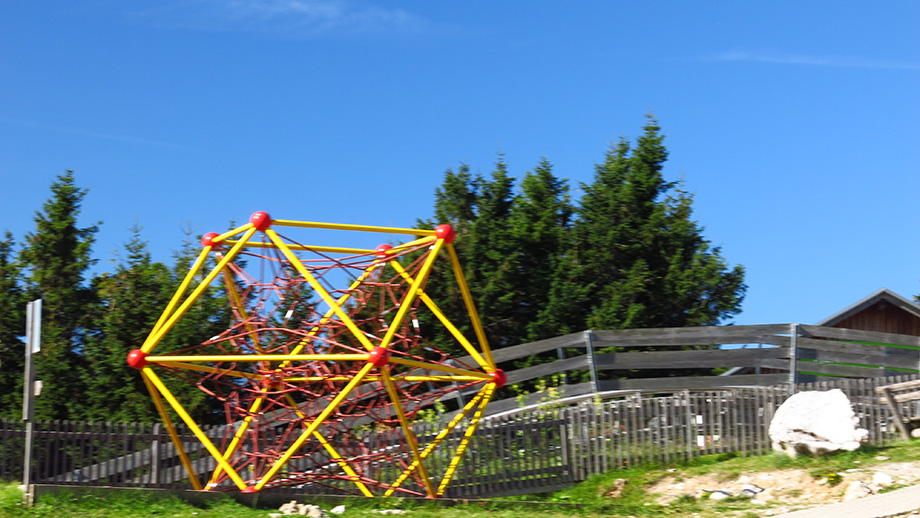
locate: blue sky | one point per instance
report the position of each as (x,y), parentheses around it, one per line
(796,124)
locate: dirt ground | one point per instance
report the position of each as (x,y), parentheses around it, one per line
(782,491)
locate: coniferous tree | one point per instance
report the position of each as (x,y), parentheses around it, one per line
(12,327)
(641,257)
(540,223)
(455,204)
(130,301)
(479,210)
(56,257)
(490,255)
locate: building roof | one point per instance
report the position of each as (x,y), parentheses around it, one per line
(882,295)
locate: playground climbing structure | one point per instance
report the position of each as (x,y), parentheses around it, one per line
(323,370)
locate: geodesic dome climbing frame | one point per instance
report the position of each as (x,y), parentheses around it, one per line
(323,369)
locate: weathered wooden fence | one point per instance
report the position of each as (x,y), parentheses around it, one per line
(756,355)
(531,450)
(578,430)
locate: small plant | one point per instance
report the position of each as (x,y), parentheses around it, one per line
(832,478)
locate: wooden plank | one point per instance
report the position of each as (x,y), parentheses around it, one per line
(524,350)
(687,359)
(859,335)
(830,369)
(547,369)
(837,370)
(899,387)
(704,335)
(873,360)
(898,418)
(692,382)
(504,405)
(856,348)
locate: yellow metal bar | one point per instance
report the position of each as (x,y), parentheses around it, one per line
(358,334)
(211,370)
(308,248)
(407,430)
(470,306)
(237,437)
(332,451)
(314,425)
(362,228)
(183,286)
(333,249)
(395,378)
(436,442)
(154,338)
(173,434)
(467,346)
(242,358)
(344,465)
(414,287)
(205,441)
(221,238)
(331,311)
(442,368)
(489,389)
(411,244)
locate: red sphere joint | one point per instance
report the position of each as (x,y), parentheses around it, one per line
(261,220)
(137,359)
(382,251)
(379,357)
(249,489)
(499,378)
(445,232)
(208,239)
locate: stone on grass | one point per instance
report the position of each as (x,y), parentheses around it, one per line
(814,423)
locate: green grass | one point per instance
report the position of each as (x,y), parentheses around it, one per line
(634,501)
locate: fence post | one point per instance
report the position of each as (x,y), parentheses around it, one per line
(793,356)
(155,455)
(33,345)
(568,476)
(592,365)
(560,355)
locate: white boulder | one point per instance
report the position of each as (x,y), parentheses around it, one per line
(813,423)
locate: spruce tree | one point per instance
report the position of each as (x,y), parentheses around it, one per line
(639,259)
(456,201)
(540,222)
(131,299)
(479,210)
(490,256)
(56,257)
(12,327)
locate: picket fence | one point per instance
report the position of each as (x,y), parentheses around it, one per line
(531,450)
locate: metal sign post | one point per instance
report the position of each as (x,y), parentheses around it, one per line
(33,345)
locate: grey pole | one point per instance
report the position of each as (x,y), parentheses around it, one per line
(793,356)
(33,345)
(592,367)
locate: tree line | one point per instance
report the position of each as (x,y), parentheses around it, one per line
(626,254)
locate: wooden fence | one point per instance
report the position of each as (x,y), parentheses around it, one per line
(580,430)
(756,355)
(531,450)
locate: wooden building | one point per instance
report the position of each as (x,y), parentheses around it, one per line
(883,311)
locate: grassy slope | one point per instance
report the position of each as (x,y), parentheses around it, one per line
(633,502)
